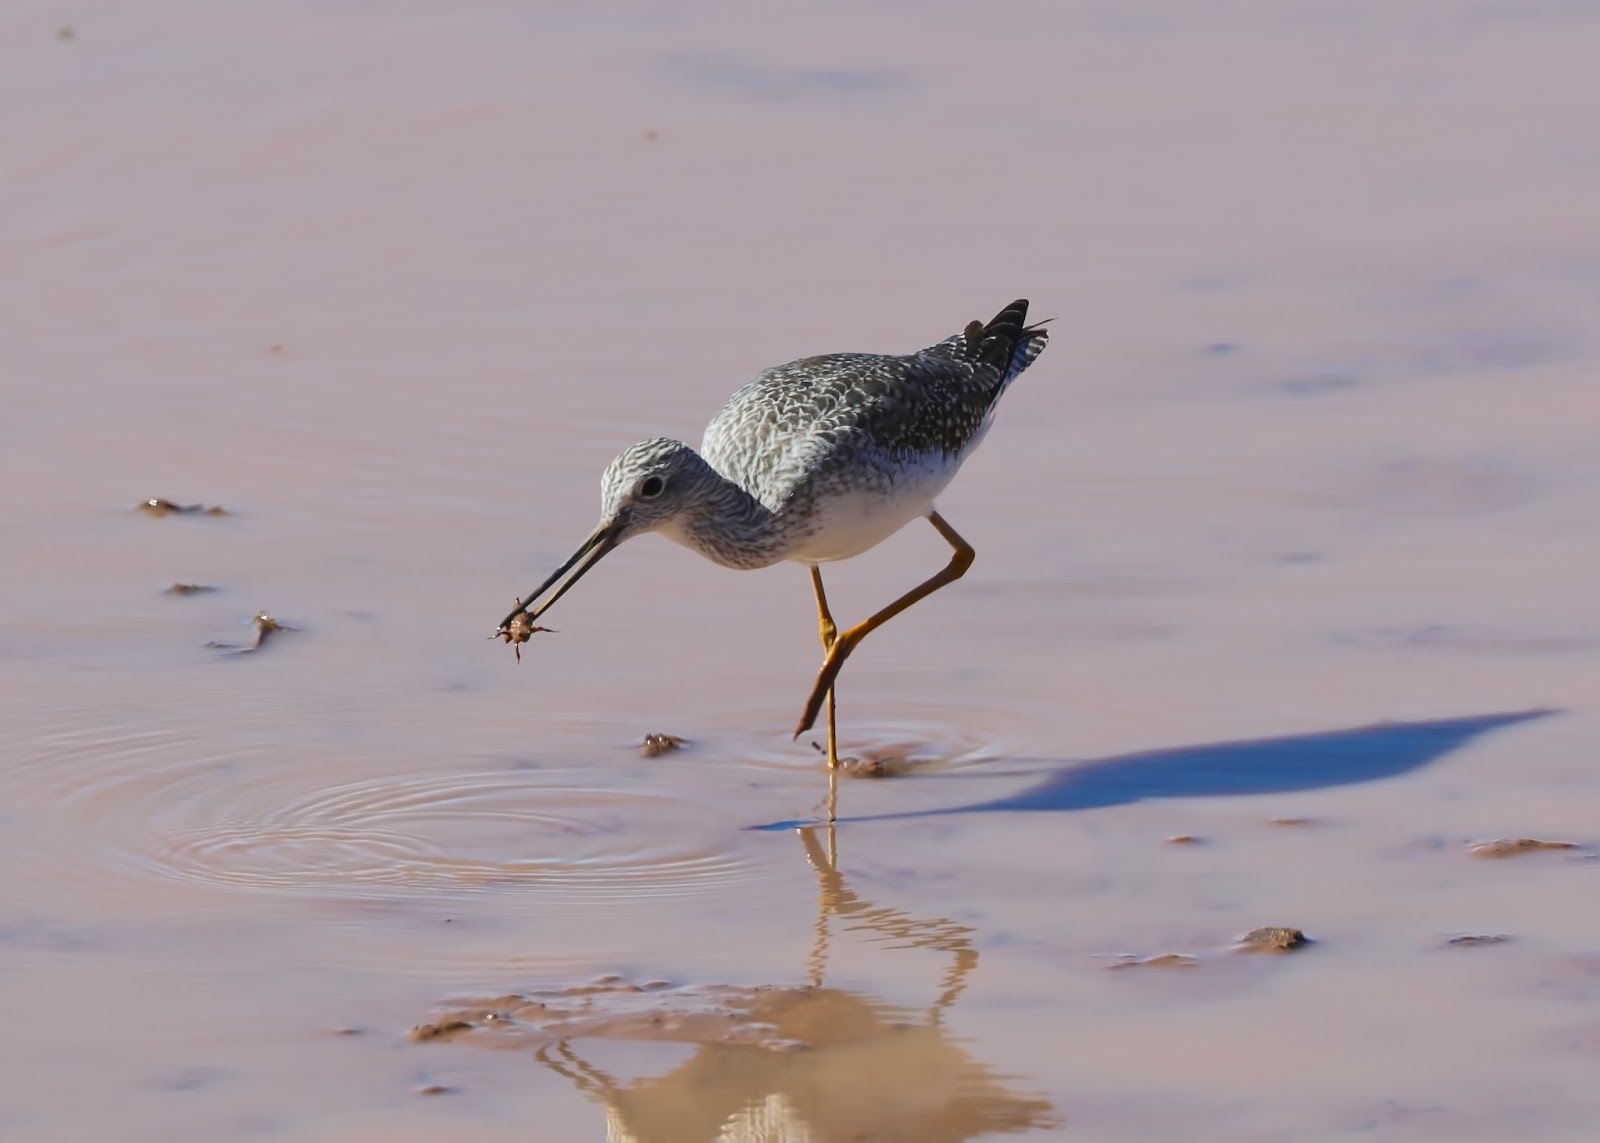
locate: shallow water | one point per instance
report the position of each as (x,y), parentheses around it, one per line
(1294,519)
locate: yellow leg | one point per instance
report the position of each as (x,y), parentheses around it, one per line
(845,643)
(829,633)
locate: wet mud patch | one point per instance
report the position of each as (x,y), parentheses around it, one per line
(445,1027)
(819,1062)
(1517,846)
(1157,960)
(1270,939)
(772,1018)
(650,1010)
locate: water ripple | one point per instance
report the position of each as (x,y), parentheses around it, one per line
(226,804)
(451,833)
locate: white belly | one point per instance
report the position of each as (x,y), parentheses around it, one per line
(849,523)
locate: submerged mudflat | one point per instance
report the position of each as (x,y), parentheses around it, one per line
(1282,618)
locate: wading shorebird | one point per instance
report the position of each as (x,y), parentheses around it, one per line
(815,461)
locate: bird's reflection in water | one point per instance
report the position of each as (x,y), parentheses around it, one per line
(832,1064)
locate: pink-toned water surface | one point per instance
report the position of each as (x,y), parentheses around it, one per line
(1296,517)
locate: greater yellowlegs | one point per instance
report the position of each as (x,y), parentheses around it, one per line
(815,461)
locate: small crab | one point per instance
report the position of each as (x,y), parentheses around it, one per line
(518,630)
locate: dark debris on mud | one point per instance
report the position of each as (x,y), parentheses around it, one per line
(655,745)
(1514,846)
(158,506)
(1272,938)
(264,626)
(1158,960)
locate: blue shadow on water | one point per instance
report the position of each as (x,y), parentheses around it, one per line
(1220,769)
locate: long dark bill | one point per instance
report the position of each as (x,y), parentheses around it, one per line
(589,553)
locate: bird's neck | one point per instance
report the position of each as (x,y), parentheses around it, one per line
(729,526)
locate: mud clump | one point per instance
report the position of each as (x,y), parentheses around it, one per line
(1290,821)
(1272,938)
(189,589)
(1183,839)
(439,1030)
(655,745)
(1472,940)
(1513,846)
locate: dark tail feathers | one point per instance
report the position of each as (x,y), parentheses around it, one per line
(1007,343)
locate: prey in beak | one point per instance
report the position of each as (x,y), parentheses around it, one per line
(518,627)
(649,487)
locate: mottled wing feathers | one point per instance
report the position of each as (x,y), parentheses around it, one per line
(818,416)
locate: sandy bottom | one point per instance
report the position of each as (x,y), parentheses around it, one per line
(1283,616)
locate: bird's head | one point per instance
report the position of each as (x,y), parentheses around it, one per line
(645,489)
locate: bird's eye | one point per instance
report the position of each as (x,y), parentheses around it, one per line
(651,487)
